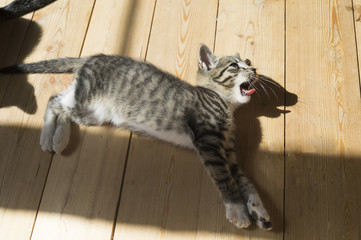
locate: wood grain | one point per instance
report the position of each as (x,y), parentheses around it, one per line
(23,165)
(322,134)
(167,193)
(83,185)
(120,27)
(160,198)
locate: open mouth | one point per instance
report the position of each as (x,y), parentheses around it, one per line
(246,88)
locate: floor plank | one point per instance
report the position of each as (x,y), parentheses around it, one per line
(24,166)
(162,184)
(83,185)
(322,130)
(167,193)
(246,27)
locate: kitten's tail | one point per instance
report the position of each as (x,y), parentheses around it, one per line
(60,65)
(19,8)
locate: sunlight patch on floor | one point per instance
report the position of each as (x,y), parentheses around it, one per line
(65,226)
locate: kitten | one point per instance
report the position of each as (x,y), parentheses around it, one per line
(138,96)
(19,8)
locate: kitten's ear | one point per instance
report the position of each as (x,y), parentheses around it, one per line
(237,55)
(206,59)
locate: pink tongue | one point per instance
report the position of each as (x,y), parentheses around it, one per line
(249,92)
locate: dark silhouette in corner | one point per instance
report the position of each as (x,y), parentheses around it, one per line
(19,8)
(15,45)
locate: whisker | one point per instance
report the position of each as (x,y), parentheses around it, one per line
(271,90)
(269,81)
(274,93)
(254,86)
(264,89)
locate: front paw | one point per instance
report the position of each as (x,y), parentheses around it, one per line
(237,214)
(258,212)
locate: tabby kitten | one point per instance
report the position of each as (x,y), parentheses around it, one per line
(146,100)
(19,8)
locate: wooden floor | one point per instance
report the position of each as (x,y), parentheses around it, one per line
(300,144)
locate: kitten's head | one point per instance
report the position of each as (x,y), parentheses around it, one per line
(229,76)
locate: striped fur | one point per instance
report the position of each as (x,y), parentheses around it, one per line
(144,99)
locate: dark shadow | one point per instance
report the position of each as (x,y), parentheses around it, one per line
(17,39)
(168,198)
(129,20)
(74,140)
(268,101)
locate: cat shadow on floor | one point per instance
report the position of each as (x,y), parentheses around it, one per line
(269,101)
(18,39)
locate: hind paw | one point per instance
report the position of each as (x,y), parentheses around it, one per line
(46,138)
(61,138)
(55,138)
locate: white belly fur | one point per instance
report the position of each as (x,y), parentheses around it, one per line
(104,114)
(169,136)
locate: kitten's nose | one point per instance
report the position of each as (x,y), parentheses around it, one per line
(253,69)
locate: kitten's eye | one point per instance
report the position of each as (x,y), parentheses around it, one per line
(235,65)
